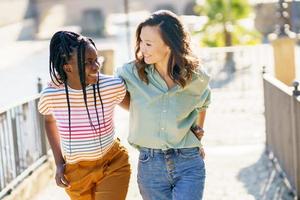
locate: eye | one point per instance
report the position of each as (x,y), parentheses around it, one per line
(88,62)
(148,45)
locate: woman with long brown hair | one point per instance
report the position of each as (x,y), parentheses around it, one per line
(168,93)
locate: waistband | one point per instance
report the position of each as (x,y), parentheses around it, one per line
(116,145)
(168,151)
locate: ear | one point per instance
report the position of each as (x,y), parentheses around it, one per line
(67,68)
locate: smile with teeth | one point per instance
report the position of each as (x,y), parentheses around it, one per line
(94,75)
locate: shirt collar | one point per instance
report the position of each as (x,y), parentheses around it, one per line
(150,69)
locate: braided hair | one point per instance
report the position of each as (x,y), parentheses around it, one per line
(62,45)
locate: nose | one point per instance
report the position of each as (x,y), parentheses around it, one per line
(95,66)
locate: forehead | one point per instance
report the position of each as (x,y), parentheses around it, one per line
(151,33)
(90,50)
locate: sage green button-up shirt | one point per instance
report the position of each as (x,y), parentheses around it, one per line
(161,118)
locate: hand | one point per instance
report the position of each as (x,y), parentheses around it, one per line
(198,132)
(202,152)
(60,178)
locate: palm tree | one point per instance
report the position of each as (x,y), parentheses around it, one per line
(223,17)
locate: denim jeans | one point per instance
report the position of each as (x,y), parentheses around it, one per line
(173,174)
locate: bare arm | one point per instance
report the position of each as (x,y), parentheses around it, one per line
(126,101)
(54,141)
(53,138)
(201,118)
(198,130)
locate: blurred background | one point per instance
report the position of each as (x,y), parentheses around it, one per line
(249,47)
(27,25)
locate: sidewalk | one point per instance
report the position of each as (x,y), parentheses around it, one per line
(237,168)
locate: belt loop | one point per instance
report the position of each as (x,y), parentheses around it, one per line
(152,153)
(177,151)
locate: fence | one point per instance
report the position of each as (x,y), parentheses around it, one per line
(22,146)
(282,112)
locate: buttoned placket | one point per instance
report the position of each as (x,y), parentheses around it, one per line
(163,115)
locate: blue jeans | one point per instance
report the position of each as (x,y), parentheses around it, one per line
(173,174)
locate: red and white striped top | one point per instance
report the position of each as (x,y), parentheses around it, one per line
(85,142)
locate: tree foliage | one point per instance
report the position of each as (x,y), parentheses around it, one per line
(223,27)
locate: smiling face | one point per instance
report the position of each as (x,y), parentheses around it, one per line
(91,65)
(152,47)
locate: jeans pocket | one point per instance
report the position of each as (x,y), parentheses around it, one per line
(189,153)
(144,157)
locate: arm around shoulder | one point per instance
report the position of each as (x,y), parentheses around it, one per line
(53,138)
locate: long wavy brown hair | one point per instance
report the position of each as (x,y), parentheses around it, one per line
(182,63)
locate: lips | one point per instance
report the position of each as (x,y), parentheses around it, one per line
(93,78)
(94,75)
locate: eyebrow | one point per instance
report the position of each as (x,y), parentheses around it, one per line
(146,40)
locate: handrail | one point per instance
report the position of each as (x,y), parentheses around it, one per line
(27,172)
(17,103)
(280,85)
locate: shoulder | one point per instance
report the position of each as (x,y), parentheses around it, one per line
(52,89)
(200,74)
(129,66)
(126,70)
(50,94)
(106,80)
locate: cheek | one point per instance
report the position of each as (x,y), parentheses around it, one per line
(87,72)
(159,54)
(154,52)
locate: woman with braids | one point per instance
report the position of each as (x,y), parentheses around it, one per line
(78,106)
(169,94)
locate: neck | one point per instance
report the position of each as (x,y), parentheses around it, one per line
(162,70)
(162,67)
(74,84)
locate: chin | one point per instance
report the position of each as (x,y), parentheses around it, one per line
(94,81)
(149,62)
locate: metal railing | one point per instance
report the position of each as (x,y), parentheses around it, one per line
(23,147)
(282,113)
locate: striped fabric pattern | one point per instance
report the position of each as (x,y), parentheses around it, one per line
(87,141)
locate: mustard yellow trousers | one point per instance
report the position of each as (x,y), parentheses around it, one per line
(103,179)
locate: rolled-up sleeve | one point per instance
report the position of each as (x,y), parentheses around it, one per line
(206,99)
